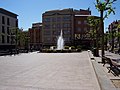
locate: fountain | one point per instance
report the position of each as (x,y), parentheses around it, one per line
(60,42)
(60,47)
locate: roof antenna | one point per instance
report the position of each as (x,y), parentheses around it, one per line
(88,8)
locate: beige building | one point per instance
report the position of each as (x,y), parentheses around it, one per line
(8,23)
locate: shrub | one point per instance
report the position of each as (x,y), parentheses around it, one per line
(54,51)
(49,51)
(79,47)
(66,47)
(62,51)
(72,47)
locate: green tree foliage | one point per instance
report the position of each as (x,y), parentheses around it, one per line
(94,24)
(15,32)
(106,7)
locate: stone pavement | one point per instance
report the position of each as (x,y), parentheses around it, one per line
(111,55)
(105,78)
(48,71)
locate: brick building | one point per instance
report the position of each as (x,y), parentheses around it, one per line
(53,22)
(114,39)
(81,30)
(35,34)
(72,22)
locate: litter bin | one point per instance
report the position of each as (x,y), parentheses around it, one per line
(94,51)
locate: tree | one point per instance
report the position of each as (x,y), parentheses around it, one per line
(104,7)
(94,24)
(26,40)
(114,35)
(15,36)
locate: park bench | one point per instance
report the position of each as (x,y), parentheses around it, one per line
(114,65)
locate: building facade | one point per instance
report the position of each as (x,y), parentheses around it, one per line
(85,34)
(114,36)
(73,23)
(35,34)
(8,22)
(55,21)
(81,30)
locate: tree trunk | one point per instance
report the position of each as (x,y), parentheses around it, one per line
(102,34)
(97,48)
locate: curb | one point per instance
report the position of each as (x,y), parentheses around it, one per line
(104,82)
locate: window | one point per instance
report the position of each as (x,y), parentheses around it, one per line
(85,21)
(66,25)
(55,33)
(79,29)
(79,22)
(47,33)
(53,19)
(47,26)
(47,39)
(8,31)
(8,21)
(3,29)
(54,26)
(3,39)
(58,19)
(3,20)
(54,39)
(85,29)
(8,40)
(16,23)
(66,32)
(58,25)
(46,19)
(67,39)
(66,18)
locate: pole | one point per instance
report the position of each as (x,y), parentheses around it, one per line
(102,33)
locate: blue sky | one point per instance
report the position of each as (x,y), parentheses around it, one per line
(30,11)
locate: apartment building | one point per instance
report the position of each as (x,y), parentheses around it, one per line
(81,30)
(56,20)
(35,34)
(8,22)
(114,38)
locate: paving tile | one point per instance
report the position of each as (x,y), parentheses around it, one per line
(48,71)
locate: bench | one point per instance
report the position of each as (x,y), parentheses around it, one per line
(114,65)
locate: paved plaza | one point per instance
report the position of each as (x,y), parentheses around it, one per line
(47,71)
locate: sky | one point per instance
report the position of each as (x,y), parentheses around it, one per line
(30,11)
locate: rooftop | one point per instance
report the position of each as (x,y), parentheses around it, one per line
(6,12)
